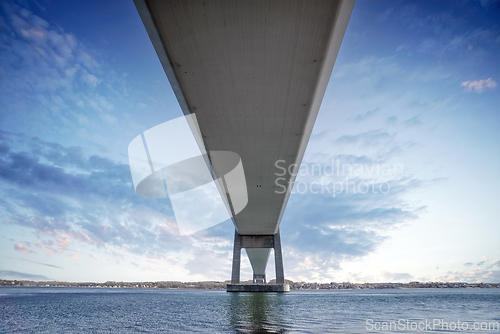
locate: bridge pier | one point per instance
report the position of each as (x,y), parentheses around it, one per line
(259,278)
(278,259)
(235,275)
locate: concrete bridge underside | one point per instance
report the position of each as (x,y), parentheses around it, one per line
(254,73)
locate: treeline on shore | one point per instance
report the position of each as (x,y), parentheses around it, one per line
(217,285)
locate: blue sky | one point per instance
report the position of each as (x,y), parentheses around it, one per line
(414,85)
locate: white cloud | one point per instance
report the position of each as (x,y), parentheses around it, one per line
(90,79)
(479,85)
(109,119)
(476,276)
(52,72)
(486,3)
(22,249)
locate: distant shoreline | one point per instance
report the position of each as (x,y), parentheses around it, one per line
(217,285)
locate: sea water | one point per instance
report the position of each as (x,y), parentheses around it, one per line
(103,310)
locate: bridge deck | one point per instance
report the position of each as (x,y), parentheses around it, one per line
(254,73)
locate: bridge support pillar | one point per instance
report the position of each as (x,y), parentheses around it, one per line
(235,275)
(278,259)
(259,279)
(257,241)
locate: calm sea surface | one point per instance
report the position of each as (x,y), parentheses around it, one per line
(98,310)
